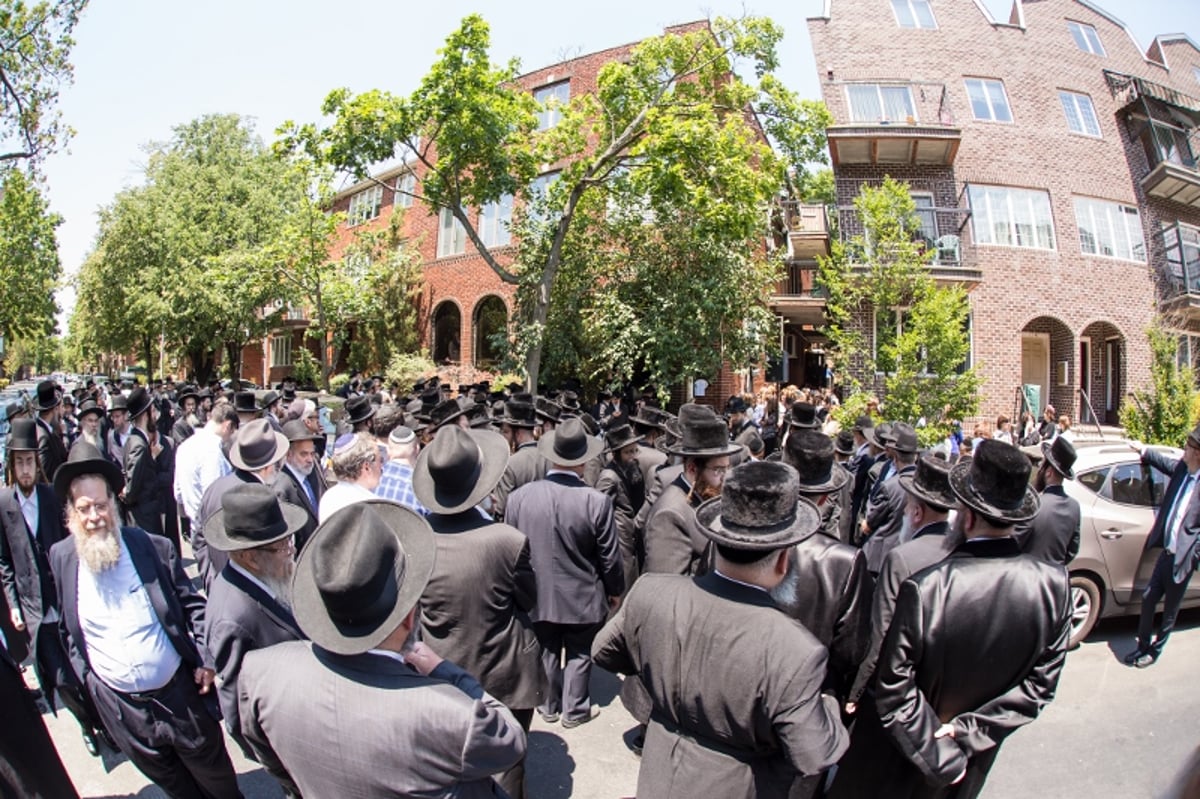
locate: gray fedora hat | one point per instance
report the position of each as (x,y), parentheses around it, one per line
(459,468)
(360,574)
(703,434)
(903,438)
(251,515)
(810,453)
(930,483)
(759,509)
(297,430)
(569,444)
(257,445)
(995,482)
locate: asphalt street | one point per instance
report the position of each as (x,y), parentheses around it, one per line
(1112,731)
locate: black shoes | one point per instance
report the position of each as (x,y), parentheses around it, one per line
(1132,657)
(570,724)
(1145,659)
(550,718)
(90,744)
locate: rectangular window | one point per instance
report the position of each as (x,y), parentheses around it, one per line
(537,195)
(1081,116)
(873,102)
(1167,143)
(1109,229)
(1011,217)
(1182,249)
(1196,73)
(914,14)
(1086,38)
(281,350)
(452,236)
(988,100)
(406,186)
(928,217)
(365,205)
(494,219)
(552,99)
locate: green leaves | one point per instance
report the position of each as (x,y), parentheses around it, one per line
(29,264)
(1165,412)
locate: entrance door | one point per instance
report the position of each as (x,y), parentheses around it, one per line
(1112,379)
(1085,380)
(1035,365)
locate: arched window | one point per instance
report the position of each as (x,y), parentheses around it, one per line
(447,327)
(489,324)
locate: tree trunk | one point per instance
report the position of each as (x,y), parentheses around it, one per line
(148,354)
(233,357)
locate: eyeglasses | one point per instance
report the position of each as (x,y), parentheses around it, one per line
(286,546)
(98,508)
(717,470)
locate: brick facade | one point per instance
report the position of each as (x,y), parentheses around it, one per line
(1074,300)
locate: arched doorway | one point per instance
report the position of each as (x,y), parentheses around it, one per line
(488,325)
(1102,371)
(1048,375)
(447,330)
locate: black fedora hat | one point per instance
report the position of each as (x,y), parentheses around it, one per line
(85,459)
(477,414)
(446,412)
(879,435)
(289,393)
(930,483)
(22,436)
(995,482)
(863,423)
(251,515)
(810,453)
(903,438)
(459,468)
(759,509)
(703,434)
(360,574)
(547,409)
(47,395)
(1060,454)
(257,445)
(139,402)
(620,437)
(649,416)
(803,416)
(185,392)
(519,413)
(246,402)
(297,430)
(270,398)
(569,402)
(15,409)
(569,444)
(359,409)
(844,443)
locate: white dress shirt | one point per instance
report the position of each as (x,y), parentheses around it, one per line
(1179,510)
(340,495)
(127,647)
(29,509)
(199,462)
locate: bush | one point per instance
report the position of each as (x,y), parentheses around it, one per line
(407,368)
(1167,411)
(306,370)
(337,381)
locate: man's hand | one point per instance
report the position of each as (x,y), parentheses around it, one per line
(946,730)
(18,622)
(614,602)
(422,658)
(1137,446)
(204,678)
(851,708)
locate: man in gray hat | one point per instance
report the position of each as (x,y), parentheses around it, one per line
(974,650)
(743,720)
(573,543)
(885,510)
(1053,534)
(366,708)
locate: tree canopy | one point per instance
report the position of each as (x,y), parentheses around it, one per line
(29,263)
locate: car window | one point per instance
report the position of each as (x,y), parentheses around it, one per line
(1093,480)
(1158,485)
(1130,485)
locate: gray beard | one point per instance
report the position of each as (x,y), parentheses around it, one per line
(98,553)
(787,593)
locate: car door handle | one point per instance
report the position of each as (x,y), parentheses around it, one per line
(1111,534)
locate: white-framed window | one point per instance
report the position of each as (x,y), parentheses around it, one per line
(406,186)
(358,264)
(989,102)
(1085,36)
(365,205)
(1111,230)
(889,325)
(1181,244)
(875,102)
(1167,143)
(452,236)
(537,194)
(914,14)
(281,350)
(552,99)
(1081,115)
(494,219)
(1011,217)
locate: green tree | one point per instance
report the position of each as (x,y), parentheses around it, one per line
(29,263)
(921,341)
(677,111)
(1162,413)
(35,48)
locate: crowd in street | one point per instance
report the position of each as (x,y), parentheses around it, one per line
(796,610)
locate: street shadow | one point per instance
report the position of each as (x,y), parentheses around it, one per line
(549,767)
(257,784)
(1119,633)
(630,736)
(603,687)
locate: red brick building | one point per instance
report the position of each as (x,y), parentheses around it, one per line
(1054,167)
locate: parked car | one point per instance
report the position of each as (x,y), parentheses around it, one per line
(1118,499)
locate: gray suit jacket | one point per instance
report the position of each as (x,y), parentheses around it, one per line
(1187,548)
(1053,535)
(367,726)
(25,572)
(674,542)
(742,725)
(885,517)
(525,466)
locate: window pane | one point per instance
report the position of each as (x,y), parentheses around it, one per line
(1068,106)
(1093,480)
(1000,111)
(1087,112)
(1129,485)
(924,14)
(1045,221)
(864,103)
(1093,39)
(1077,34)
(904,15)
(978,98)
(897,103)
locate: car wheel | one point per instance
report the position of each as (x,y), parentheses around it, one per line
(1085,608)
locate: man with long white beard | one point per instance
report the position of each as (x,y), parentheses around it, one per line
(134,627)
(249,605)
(90,414)
(295,483)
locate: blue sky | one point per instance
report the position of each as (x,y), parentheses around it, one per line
(143,66)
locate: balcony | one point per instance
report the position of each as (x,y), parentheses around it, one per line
(895,124)
(1177,182)
(1181,275)
(798,297)
(951,260)
(1167,123)
(807,230)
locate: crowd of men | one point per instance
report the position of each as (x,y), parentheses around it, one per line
(381,612)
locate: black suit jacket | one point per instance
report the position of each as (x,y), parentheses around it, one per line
(1053,535)
(51,451)
(1187,547)
(140,496)
(287,488)
(179,607)
(24,571)
(211,561)
(240,618)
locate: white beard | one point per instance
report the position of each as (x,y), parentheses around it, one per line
(98,551)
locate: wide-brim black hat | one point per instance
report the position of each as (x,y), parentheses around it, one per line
(703,434)
(359,409)
(649,416)
(251,515)
(85,459)
(879,435)
(360,574)
(519,414)
(459,468)
(447,411)
(547,409)
(810,453)
(569,444)
(843,443)
(930,483)
(759,509)
(189,391)
(803,416)
(22,436)
(246,402)
(620,437)
(995,482)
(1060,454)
(47,395)
(139,402)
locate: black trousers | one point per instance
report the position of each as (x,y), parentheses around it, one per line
(567,692)
(1162,586)
(171,737)
(55,674)
(29,764)
(513,780)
